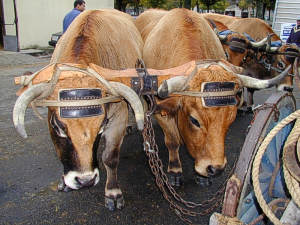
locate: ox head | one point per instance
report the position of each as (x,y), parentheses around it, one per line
(75,130)
(237,46)
(203,123)
(271,59)
(286,55)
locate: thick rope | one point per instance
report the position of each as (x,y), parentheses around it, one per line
(291,183)
(256,165)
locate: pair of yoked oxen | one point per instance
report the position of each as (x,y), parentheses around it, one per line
(88,91)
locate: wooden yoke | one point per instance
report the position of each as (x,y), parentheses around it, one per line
(123,76)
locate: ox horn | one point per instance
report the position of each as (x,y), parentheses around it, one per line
(222,37)
(259,43)
(133,100)
(22,103)
(171,85)
(251,82)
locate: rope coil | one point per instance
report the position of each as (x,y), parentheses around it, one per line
(292,184)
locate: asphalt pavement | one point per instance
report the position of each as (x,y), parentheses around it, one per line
(30,170)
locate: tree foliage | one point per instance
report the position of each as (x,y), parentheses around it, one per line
(244,4)
(220,6)
(209,3)
(187,4)
(163,4)
(121,4)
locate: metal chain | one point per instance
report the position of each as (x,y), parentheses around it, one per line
(161,178)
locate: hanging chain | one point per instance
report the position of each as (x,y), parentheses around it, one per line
(161,179)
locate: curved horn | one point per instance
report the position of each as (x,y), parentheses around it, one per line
(22,103)
(251,82)
(171,85)
(133,100)
(222,36)
(259,43)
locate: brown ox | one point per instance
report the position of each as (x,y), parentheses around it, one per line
(258,30)
(147,20)
(236,45)
(107,38)
(179,37)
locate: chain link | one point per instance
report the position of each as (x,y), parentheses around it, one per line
(161,179)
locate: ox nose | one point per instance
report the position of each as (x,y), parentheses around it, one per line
(86,181)
(288,89)
(213,171)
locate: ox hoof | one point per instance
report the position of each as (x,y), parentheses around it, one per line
(112,203)
(203,181)
(61,186)
(175,179)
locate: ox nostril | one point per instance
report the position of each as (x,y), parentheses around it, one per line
(212,171)
(84,182)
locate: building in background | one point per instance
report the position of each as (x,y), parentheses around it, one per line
(25,23)
(285,14)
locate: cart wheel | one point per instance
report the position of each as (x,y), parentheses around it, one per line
(240,201)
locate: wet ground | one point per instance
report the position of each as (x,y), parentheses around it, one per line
(29,169)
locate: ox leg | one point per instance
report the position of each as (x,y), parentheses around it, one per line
(114,134)
(172,142)
(247,105)
(250,101)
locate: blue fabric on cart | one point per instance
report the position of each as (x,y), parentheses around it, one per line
(250,208)
(276,43)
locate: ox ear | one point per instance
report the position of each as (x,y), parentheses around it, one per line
(169,106)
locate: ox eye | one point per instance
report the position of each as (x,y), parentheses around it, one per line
(227,55)
(194,121)
(57,126)
(281,65)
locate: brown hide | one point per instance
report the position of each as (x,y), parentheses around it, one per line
(282,61)
(179,37)
(204,143)
(224,19)
(147,20)
(234,57)
(256,28)
(83,41)
(107,38)
(122,76)
(81,131)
